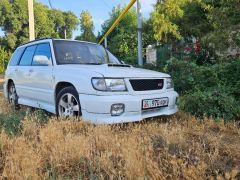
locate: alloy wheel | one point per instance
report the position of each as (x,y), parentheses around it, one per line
(68,106)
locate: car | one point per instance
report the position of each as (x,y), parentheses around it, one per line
(75,78)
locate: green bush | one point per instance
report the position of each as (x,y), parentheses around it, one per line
(229,76)
(188,76)
(211,90)
(4,58)
(182,73)
(11,123)
(211,103)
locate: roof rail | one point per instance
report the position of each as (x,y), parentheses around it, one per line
(37,40)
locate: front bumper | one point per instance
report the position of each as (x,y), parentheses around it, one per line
(96,109)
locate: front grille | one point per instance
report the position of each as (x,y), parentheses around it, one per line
(146,84)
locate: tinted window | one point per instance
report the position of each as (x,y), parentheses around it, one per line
(27,56)
(42,56)
(73,52)
(16,56)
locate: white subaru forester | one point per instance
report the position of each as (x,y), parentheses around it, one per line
(73,78)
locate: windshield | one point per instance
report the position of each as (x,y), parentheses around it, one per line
(74,52)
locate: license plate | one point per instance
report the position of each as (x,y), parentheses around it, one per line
(154,103)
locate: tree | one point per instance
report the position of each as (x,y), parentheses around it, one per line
(164,13)
(4,58)
(214,22)
(225,19)
(195,21)
(14,22)
(70,23)
(122,41)
(87,27)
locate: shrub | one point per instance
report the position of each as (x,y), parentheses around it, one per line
(182,73)
(214,103)
(11,123)
(207,90)
(4,58)
(229,75)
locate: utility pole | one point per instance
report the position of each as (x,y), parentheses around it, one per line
(31,20)
(65,33)
(139,28)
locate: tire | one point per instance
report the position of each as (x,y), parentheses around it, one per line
(12,95)
(67,103)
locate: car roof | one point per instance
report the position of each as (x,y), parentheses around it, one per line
(49,38)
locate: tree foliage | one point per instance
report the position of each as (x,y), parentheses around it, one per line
(163,15)
(4,58)
(123,39)
(48,22)
(214,22)
(224,16)
(87,27)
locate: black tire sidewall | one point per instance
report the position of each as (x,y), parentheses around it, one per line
(16,100)
(72,91)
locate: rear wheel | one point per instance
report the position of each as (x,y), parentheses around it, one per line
(12,95)
(68,104)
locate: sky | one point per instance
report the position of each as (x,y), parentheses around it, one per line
(99,9)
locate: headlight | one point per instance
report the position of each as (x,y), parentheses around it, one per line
(169,83)
(107,84)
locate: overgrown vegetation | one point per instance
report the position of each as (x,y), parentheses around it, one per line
(4,58)
(161,148)
(210,90)
(34,145)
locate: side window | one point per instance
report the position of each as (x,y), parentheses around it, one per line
(42,56)
(27,56)
(16,56)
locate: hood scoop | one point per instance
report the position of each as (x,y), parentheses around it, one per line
(118,65)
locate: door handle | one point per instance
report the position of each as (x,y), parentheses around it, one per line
(16,70)
(30,72)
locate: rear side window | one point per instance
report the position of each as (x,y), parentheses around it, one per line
(42,56)
(16,56)
(27,56)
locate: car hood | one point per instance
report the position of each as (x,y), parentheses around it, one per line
(117,72)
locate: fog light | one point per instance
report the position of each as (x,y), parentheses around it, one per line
(117,109)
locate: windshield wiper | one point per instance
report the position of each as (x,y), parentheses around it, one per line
(118,65)
(92,63)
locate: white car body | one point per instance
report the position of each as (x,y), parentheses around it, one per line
(36,87)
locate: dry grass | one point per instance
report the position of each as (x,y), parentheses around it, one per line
(1,78)
(180,147)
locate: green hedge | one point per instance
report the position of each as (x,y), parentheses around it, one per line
(214,103)
(212,90)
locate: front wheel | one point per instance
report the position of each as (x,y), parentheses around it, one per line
(68,104)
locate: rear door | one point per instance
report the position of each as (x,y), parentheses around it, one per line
(40,75)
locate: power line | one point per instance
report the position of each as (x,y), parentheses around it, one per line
(50,4)
(106,4)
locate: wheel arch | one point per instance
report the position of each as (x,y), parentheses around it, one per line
(59,86)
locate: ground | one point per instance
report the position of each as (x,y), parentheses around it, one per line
(34,145)
(1,82)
